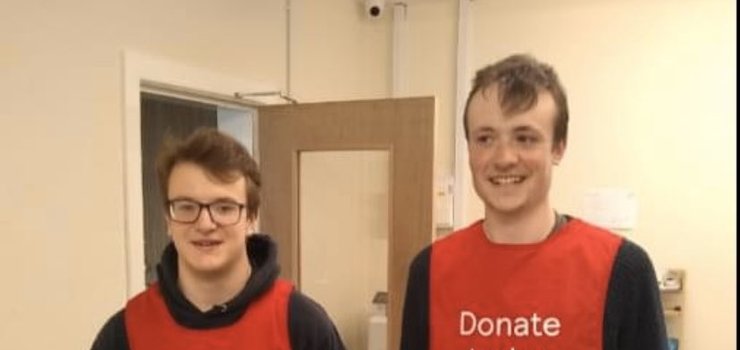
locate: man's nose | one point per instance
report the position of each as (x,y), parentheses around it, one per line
(205,220)
(504,154)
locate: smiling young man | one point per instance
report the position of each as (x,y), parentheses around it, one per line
(527,277)
(217,282)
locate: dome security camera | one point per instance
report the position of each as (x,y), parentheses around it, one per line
(374,8)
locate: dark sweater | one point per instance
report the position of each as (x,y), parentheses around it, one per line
(633,319)
(309,326)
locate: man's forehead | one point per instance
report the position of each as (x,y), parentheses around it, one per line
(186,173)
(487,115)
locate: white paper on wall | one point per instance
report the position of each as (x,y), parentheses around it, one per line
(612,208)
(443,202)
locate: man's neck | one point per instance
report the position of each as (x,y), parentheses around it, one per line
(208,290)
(525,227)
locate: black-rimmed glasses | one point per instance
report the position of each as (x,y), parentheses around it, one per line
(223,213)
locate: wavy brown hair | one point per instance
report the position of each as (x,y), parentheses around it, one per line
(219,154)
(520,78)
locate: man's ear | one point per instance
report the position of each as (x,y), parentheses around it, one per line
(167,224)
(251,225)
(558,151)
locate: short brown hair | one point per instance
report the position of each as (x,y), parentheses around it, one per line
(219,154)
(520,78)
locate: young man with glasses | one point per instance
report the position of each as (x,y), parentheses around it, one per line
(217,283)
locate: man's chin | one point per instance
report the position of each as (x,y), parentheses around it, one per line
(206,266)
(507,207)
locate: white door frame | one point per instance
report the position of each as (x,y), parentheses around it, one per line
(139,69)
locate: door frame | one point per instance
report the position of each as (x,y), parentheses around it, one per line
(143,72)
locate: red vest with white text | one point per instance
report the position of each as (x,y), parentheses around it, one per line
(544,296)
(264,325)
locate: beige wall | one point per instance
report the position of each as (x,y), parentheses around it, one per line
(338,53)
(432,40)
(61,130)
(651,87)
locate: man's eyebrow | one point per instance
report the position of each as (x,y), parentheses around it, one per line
(224,199)
(483,129)
(181,198)
(215,200)
(526,128)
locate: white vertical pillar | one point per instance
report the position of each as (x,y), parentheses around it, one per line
(462,176)
(400,50)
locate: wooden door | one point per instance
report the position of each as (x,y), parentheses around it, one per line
(402,127)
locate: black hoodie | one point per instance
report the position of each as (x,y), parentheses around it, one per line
(309,327)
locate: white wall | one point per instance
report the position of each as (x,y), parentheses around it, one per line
(651,87)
